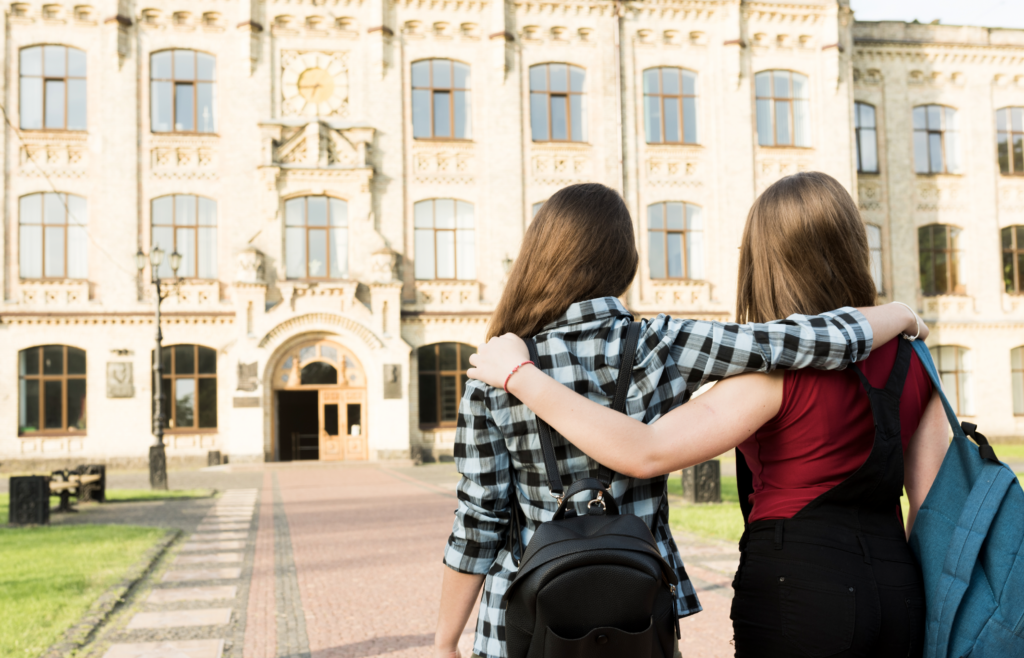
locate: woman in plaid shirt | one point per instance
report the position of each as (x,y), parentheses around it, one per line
(577,258)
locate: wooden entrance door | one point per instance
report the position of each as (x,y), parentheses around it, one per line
(343,425)
(356,447)
(332,447)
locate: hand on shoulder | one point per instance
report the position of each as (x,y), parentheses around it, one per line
(497,358)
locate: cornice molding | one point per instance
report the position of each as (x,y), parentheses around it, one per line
(312,321)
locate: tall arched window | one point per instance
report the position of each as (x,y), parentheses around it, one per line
(939,254)
(1010,139)
(670,105)
(52,88)
(936,140)
(445,240)
(189,387)
(52,238)
(1012,238)
(867,138)
(955,366)
(676,240)
(316,238)
(182,91)
(558,103)
(1017,376)
(187,224)
(51,390)
(440,99)
(783,109)
(875,249)
(442,379)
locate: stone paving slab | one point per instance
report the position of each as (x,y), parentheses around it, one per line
(217,536)
(183,575)
(175,649)
(178,594)
(179,618)
(212,546)
(222,527)
(202,558)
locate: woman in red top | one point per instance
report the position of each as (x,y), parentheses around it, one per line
(825,569)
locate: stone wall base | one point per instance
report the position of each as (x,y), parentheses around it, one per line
(46,465)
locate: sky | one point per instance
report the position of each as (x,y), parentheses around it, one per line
(987,13)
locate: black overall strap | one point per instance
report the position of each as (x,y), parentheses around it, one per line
(898,374)
(625,378)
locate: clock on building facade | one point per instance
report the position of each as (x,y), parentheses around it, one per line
(314,83)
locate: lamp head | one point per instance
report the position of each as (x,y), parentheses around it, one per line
(156,256)
(175,261)
(140,260)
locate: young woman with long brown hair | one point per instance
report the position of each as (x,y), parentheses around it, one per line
(578,256)
(825,569)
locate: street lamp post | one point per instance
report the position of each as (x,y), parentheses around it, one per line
(157,455)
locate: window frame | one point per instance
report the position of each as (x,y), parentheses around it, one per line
(952,252)
(1017,379)
(772,99)
(665,231)
(42,241)
(682,96)
(45,78)
(1011,134)
(451,92)
(328,227)
(174,93)
(928,131)
(170,373)
(568,94)
(1015,252)
(857,136)
(880,283)
(174,226)
(63,378)
(438,373)
(454,230)
(963,377)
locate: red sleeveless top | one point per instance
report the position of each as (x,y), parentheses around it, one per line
(824,431)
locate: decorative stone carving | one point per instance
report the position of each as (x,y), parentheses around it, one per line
(870,196)
(247,376)
(120,383)
(38,292)
(314,83)
(939,196)
(673,171)
(392,381)
(560,166)
(439,163)
(382,266)
(690,294)
(250,267)
(54,155)
(316,144)
(448,295)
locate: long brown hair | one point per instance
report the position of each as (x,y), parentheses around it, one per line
(579,246)
(804,250)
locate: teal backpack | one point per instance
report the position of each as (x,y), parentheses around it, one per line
(968,538)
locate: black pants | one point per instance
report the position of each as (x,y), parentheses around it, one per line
(801,599)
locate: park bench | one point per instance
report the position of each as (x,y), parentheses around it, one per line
(87,482)
(30,495)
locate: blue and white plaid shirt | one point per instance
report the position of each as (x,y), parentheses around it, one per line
(582,350)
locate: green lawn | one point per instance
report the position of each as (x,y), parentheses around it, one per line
(1009,452)
(720,521)
(134,495)
(49,576)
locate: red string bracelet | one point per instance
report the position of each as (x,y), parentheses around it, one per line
(514,371)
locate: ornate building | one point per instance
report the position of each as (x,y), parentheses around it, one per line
(346,183)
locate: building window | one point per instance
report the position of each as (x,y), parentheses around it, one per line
(867,138)
(939,251)
(783,109)
(676,241)
(1017,374)
(954,365)
(558,103)
(51,390)
(442,371)
(936,140)
(445,240)
(440,99)
(316,238)
(52,91)
(670,105)
(182,91)
(1013,258)
(189,387)
(187,224)
(875,248)
(1010,139)
(536,208)
(52,239)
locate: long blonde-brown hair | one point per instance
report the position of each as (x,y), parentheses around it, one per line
(804,250)
(579,246)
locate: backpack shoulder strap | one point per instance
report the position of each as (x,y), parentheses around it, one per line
(550,462)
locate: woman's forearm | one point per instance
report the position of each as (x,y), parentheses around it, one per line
(890,320)
(458,596)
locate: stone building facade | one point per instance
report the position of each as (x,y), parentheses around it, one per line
(348,181)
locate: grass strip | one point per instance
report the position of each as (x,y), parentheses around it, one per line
(136,495)
(51,576)
(716,520)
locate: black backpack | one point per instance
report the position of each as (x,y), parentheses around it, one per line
(592,586)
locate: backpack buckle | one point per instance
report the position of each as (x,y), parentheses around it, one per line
(557,497)
(599,501)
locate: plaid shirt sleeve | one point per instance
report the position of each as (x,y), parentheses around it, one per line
(691,353)
(482,457)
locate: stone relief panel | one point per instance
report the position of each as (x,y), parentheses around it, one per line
(770,167)
(447,295)
(317,144)
(120,381)
(690,294)
(1011,197)
(53,156)
(190,294)
(441,163)
(948,306)
(54,293)
(938,195)
(314,83)
(561,166)
(176,157)
(663,170)
(870,196)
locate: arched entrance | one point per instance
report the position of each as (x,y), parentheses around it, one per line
(321,403)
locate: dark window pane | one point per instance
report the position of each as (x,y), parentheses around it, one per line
(53,405)
(449,359)
(331,419)
(53,360)
(76,361)
(208,402)
(76,404)
(28,361)
(165,391)
(165,359)
(354,413)
(1020,271)
(941,273)
(1008,258)
(55,104)
(428,399)
(28,406)
(207,361)
(442,114)
(559,119)
(539,117)
(465,351)
(421,113)
(184,402)
(184,359)
(183,107)
(1003,149)
(427,359)
(1006,236)
(1020,237)
(319,372)
(449,399)
(1018,153)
